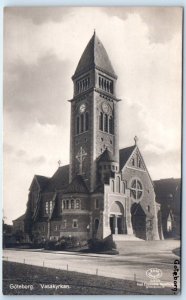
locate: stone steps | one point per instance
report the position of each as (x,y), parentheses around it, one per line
(125,237)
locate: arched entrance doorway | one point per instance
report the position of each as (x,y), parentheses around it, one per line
(117,219)
(138,219)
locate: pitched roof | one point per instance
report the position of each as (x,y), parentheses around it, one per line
(59,180)
(21,218)
(42,180)
(124,155)
(77,186)
(94,55)
(106,156)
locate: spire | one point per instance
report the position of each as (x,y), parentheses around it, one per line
(93,56)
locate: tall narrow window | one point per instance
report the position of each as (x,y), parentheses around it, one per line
(113,184)
(111,125)
(106,123)
(118,184)
(82,122)
(46,207)
(72,204)
(67,204)
(101,121)
(77,204)
(50,206)
(77,125)
(96,203)
(86,121)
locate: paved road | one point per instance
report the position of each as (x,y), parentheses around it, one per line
(136,258)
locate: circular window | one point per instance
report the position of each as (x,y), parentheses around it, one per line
(136,189)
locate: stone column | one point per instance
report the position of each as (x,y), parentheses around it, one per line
(116,224)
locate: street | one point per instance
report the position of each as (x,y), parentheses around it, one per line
(134,260)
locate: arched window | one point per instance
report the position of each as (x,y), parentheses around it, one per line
(102,83)
(96,224)
(139,162)
(77,125)
(101,121)
(82,122)
(96,203)
(106,123)
(72,204)
(133,162)
(118,184)
(99,81)
(113,183)
(77,204)
(86,121)
(123,187)
(111,127)
(67,204)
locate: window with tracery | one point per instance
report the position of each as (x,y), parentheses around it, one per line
(136,189)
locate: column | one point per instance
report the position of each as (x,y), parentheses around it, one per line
(116,224)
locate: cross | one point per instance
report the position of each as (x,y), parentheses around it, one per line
(59,163)
(136,140)
(80,157)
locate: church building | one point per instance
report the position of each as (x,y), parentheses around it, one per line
(104,190)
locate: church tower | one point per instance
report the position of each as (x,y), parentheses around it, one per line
(94,113)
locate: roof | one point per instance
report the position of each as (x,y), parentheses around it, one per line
(168,192)
(59,180)
(21,218)
(106,156)
(42,180)
(77,186)
(166,187)
(94,55)
(124,155)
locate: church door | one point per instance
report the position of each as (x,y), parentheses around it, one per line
(119,225)
(112,225)
(138,218)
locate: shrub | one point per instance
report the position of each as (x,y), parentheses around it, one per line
(99,245)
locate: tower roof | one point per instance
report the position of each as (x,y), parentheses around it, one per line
(106,156)
(94,55)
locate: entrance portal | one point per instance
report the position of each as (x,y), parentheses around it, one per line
(112,227)
(138,221)
(117,218)
(119,225)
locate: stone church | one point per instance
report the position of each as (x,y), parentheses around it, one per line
(104,190)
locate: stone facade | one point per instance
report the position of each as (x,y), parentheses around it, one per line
(103,190)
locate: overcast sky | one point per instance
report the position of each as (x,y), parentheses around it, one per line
(42,47)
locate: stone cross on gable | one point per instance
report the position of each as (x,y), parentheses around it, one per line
(80,157)
(136,140)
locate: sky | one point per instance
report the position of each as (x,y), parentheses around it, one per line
(42,47)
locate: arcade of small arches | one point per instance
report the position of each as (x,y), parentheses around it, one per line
(70,204)
(106,84)
(83,85)
(118,185)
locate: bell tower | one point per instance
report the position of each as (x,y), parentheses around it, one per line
(94,113)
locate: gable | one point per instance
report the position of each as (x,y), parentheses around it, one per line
(136,160)
(131,157)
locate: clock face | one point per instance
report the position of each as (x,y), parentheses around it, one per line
(105,107)
(82,108)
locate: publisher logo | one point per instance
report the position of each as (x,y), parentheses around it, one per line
(154,273)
